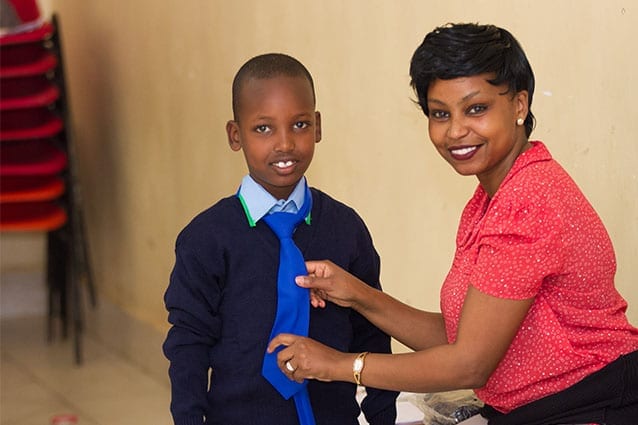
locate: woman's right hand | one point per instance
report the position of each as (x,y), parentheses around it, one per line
(329,282)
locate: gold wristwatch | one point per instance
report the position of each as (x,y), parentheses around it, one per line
(357,366)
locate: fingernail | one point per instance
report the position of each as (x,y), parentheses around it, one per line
(300,280)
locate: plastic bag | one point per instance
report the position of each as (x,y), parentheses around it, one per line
(447,408)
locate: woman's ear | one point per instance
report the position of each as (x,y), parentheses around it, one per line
(522,104)
(232,131)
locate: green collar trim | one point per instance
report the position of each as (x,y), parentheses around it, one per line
(251,221)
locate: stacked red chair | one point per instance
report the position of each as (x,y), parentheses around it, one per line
(38,184)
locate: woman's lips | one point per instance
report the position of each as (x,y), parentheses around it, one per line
(463,153)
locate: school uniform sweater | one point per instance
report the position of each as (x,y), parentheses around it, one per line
(222,299)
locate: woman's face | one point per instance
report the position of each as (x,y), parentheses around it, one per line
(473,125)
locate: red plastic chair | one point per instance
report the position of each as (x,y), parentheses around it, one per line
(43,62)
(30,188)
(29,123)
(38,185)
(25,48)
(27,92)
(31,157)
(32,216)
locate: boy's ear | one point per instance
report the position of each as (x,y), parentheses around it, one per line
(317,126)
(232,131)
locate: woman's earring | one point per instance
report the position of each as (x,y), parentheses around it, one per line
(520,121)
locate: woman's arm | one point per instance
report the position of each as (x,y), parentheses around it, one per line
(412,327)
(486,329)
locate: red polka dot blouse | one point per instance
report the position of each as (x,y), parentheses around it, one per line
(538,237)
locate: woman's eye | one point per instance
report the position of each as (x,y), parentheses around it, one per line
(439,115)
(477,109)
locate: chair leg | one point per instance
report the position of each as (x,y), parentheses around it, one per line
(53,288)
(75,304)
(57,278)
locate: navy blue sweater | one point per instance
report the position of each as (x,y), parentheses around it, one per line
(222,300)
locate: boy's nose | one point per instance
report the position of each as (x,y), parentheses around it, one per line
(285,142)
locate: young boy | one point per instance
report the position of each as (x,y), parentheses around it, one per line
(223,292)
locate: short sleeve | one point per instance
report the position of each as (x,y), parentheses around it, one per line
(519,246)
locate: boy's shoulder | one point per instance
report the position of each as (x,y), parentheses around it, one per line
(327,202)
(327,209)
(227,212)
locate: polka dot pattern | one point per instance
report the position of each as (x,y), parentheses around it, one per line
(539,237)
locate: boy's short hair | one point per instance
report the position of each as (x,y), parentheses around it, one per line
(464,50)
(266,66)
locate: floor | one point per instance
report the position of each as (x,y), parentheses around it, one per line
(39,380)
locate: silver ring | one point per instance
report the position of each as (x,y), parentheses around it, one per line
(289,366)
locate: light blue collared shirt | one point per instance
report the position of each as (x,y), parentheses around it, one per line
(257,202)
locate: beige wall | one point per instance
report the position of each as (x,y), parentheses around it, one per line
(150,94)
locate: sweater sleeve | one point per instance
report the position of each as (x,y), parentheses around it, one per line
(379,406)
(192,299)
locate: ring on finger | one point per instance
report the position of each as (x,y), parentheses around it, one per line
(289,366)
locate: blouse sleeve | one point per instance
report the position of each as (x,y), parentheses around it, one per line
(518,247)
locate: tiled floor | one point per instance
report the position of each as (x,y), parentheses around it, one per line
(39,380)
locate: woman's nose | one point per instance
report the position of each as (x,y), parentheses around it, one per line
(457,128)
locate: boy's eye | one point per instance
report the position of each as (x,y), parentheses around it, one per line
(262,128)
(301,124)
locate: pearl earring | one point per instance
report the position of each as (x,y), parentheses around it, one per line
(520,121)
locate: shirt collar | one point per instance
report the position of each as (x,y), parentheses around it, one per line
(538,152)
(257,202)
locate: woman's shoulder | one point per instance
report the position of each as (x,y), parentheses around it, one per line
(537,177)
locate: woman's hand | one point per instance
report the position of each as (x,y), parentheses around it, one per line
(304,358)
(329,282)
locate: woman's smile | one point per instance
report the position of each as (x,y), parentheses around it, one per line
(463,153)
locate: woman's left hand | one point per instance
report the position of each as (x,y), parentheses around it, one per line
(304,358)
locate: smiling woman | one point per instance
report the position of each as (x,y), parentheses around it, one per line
(530,316)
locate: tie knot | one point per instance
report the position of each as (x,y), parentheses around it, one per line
(283,224)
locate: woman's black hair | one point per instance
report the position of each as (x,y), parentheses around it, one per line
(465,50)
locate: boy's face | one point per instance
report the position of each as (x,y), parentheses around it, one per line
(277,127)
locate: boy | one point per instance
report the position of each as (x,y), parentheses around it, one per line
(222,296)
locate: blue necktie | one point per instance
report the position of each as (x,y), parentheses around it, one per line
(293,306)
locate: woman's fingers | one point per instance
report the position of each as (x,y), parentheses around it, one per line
(316,298)
(302,357)
(329,282)
(281,339)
